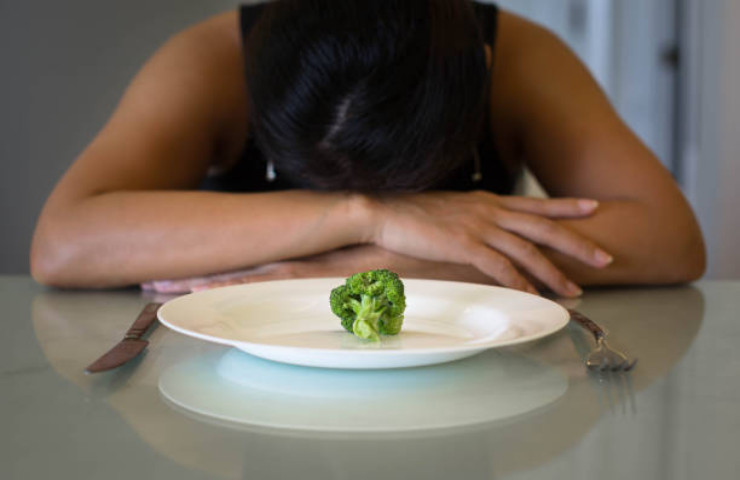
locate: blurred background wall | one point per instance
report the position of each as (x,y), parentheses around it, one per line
(669,67)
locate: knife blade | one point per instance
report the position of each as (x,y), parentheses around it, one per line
(131,345)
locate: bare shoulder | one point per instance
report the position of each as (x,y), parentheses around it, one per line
(515,30)
(522,49)
(213,49)
(184,111)
(566,130)
(195,81)
(531,57)
(214,43)
(221,44)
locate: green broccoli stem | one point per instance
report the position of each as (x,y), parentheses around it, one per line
(366,323)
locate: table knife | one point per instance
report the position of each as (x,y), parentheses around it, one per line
(131,345)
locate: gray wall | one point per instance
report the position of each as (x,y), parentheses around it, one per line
(65,64)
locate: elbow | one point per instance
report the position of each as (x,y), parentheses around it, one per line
(689,260)
(60,253)
(54,258)
(690,268)
(63,259)
(696,262)
(42,270)
(45,263)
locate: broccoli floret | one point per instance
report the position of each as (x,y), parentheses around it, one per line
(370,304)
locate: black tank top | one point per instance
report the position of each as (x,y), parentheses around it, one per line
(487,172)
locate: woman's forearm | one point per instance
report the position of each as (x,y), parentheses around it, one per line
(122,238)
(655,246)
(649,244)
(520,241)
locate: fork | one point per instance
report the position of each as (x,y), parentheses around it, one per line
(602,357)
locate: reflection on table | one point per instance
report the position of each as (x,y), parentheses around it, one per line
(505,411)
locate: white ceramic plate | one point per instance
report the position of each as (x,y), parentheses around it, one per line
(290,321)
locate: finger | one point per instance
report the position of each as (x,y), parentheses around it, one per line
(498,267)
(236,274)
(546,232)
(236,281)
(529,257)
(200,287)
(234,277)
(550,207)
(170,286)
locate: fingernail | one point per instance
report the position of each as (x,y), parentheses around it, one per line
(603,258)
(587,204)
(574,290)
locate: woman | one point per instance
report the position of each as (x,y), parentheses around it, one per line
(323,137)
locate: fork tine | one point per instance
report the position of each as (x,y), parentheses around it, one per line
(602,356)
(619,366)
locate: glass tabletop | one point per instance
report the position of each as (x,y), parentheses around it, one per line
(188,409)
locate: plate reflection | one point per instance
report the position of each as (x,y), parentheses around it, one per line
(247,391)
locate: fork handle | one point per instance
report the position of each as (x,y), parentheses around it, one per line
(586,323)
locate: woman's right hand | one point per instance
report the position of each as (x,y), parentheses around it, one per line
(499,235)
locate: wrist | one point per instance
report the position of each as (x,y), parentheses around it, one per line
(365,217)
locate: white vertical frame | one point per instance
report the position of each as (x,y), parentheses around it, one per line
(710,142)
(599,49)
(643,83)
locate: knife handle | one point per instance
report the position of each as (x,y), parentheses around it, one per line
(589,325)
(145,320)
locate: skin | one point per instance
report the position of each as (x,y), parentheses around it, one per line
(127,212)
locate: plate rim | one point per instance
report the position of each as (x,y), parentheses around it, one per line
(557,326)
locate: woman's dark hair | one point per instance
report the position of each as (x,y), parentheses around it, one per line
(366,95)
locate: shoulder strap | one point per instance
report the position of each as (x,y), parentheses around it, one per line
(487,14)
(248,14)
